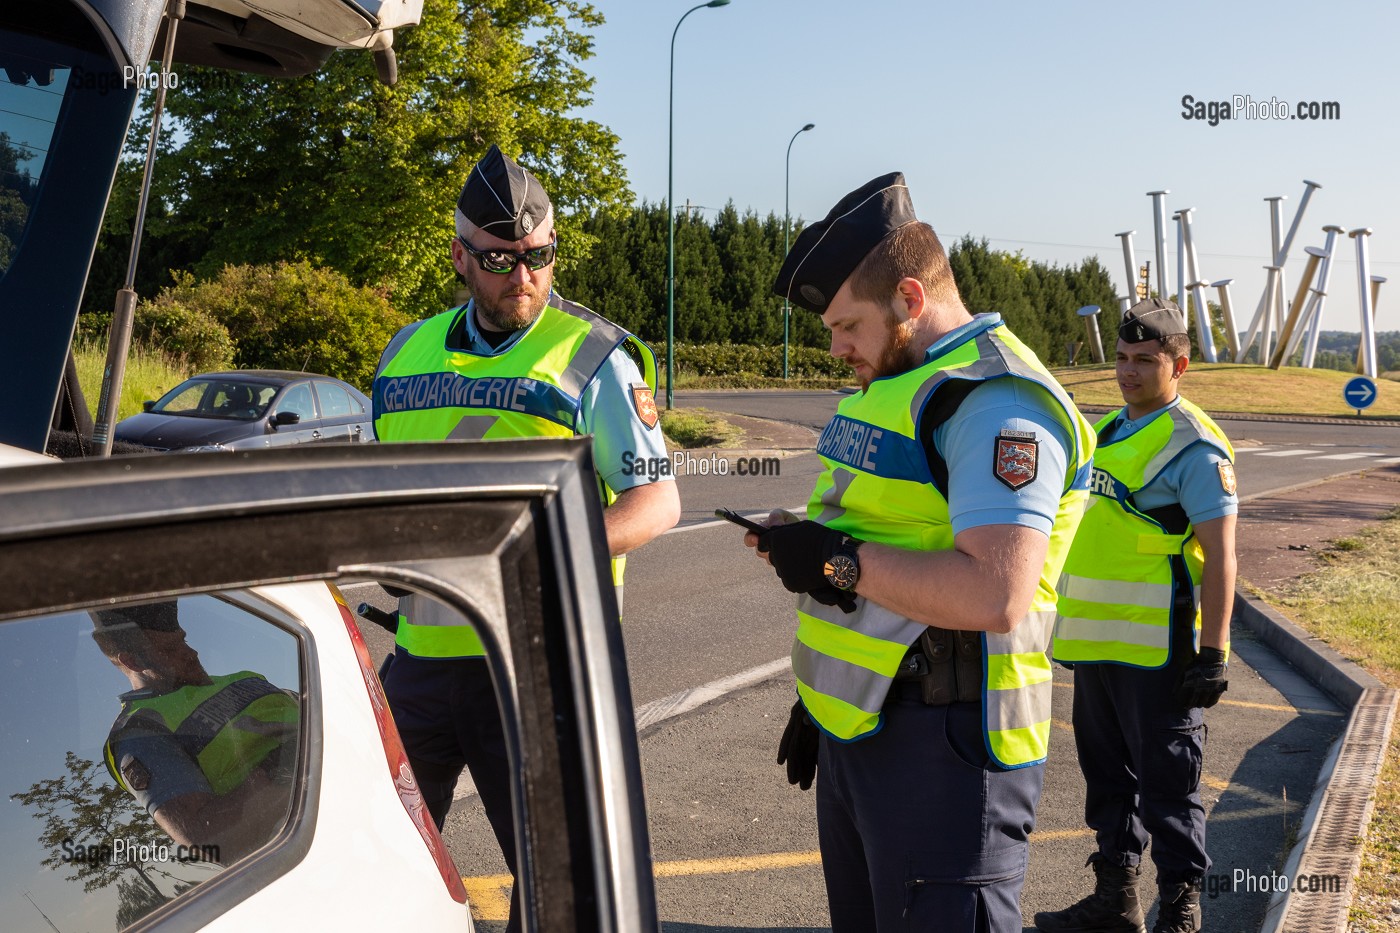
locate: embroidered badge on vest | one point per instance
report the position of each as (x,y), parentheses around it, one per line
(1227,477)
(645,404)
(1016,458)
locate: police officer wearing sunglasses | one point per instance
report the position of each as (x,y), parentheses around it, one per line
(518,360)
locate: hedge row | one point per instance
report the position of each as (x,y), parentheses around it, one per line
(726,359)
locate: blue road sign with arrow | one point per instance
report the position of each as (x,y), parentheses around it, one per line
(1359,393)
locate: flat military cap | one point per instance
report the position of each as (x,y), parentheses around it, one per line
(502,198)
(1151,319)
(828,251)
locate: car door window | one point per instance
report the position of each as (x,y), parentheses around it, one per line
(298,399)
(335,401)
(149,747)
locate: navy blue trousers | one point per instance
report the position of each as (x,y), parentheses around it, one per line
(918,829)
(1141,757)
(448,719)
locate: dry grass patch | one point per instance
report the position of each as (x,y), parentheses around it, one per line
(149,374)
(1354,605)
(1230,387)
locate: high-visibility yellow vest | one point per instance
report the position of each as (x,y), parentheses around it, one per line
(229,727)
(878,486)
(425,391)
(1118,592)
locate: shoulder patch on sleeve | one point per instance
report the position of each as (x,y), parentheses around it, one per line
(645,403)
(135,773)
(1227,477)
(1016,458)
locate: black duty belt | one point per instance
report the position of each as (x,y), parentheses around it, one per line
(945,665)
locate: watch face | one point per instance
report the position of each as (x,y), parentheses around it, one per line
(842,571)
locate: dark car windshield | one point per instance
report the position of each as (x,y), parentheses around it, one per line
(232,399)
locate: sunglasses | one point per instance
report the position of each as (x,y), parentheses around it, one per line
(503,261)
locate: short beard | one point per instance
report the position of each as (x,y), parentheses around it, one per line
(508,320)
(899,355)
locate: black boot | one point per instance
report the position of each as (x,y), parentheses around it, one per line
(1180,911)
(1112,908)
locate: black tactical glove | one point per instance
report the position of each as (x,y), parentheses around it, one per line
(799,552)
(798,748)
(1204,681)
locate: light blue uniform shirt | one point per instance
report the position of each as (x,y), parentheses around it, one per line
(1192,479)
(621,442)
(968,442)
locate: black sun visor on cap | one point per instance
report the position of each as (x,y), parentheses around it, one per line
(1151,319)
(828,251)
(503,199)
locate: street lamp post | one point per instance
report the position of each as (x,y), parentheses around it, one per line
(671,213)
(787,222)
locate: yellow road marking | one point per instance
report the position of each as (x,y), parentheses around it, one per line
(489,895)
(1245,704)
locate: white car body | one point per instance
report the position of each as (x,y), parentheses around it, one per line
(369,863)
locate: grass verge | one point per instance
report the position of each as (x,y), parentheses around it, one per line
(1230,387)
(1353,604)
(149,374)
(698,427)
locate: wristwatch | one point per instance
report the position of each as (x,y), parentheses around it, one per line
(842,569)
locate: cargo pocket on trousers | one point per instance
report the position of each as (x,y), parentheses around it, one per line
(1179,768)
(948,891)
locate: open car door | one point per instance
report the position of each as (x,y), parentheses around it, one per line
(508,534)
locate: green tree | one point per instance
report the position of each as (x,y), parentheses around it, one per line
(281,316)
(336,169)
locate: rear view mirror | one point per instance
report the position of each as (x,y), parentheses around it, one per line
(283,418)
(148,404)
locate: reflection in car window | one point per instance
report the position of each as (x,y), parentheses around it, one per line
(335,401)
(298,399)
(216,398)
(148,748)
(31,92)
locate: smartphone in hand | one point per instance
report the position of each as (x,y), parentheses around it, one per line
(730,515)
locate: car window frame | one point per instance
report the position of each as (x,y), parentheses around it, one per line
(303,513)
(286,390)
(348,415)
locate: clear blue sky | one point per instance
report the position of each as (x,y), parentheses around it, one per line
(1039,126)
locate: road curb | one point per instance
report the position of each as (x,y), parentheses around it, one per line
(1333,831)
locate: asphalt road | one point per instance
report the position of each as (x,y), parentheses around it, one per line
(735,846)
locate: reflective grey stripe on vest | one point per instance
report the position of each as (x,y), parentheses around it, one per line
(603,337)
(424,610)
(1019,707)
(1120,592)
(859,686)
(1120,630)
(1186,430)
(990,364)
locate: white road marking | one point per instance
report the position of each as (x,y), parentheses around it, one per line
(1289,453)
(677,704)
(1352,456)
(1389,460)
(752,516)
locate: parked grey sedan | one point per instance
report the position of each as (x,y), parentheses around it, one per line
(251,408)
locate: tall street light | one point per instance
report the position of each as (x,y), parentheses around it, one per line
(787,222)
(671,214)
